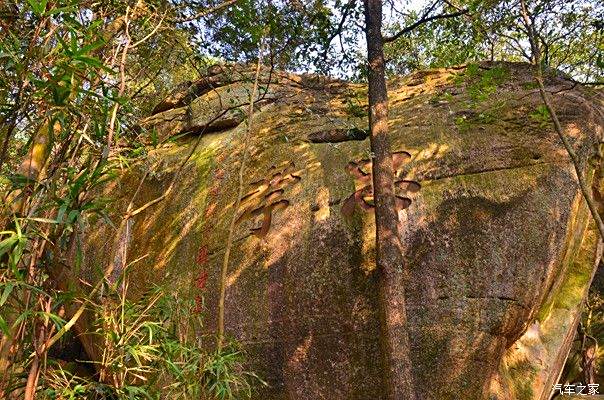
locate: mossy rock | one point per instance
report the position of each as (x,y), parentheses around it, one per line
(494,230)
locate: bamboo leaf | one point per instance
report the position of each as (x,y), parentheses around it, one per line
(7,291)
(44,220)
(7,244)
(4,327)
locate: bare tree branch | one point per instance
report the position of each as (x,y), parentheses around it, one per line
(246,138)
(338,30)
(424,19)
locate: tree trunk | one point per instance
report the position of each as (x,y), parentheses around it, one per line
(395,339)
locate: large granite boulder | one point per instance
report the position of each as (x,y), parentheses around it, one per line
(498,243)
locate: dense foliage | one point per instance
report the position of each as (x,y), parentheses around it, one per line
(76,76)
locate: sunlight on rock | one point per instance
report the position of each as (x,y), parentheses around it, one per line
(323,205)
(497,249)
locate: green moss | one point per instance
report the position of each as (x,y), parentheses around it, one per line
(530,85)
(354,108)
(577,272)
(541,116)
(482,83)
(442,96)
(204,160)
(472,70)
(522,374)
(572,288)
(462,123)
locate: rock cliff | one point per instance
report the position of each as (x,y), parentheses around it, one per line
(498,243)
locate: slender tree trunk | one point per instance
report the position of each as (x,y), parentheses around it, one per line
(246,138)
(395,339)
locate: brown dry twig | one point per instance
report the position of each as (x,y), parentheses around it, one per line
(246,141)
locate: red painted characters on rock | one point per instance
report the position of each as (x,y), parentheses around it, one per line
(200,282)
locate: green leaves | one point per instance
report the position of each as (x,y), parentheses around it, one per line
(220,377)
(7,244)
(4,327)
(8,288)
(13,246)
(53,70)
(541,115)
(481,83)
(83,54)
(38,7)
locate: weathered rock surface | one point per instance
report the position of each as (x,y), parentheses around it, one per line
(497,238)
